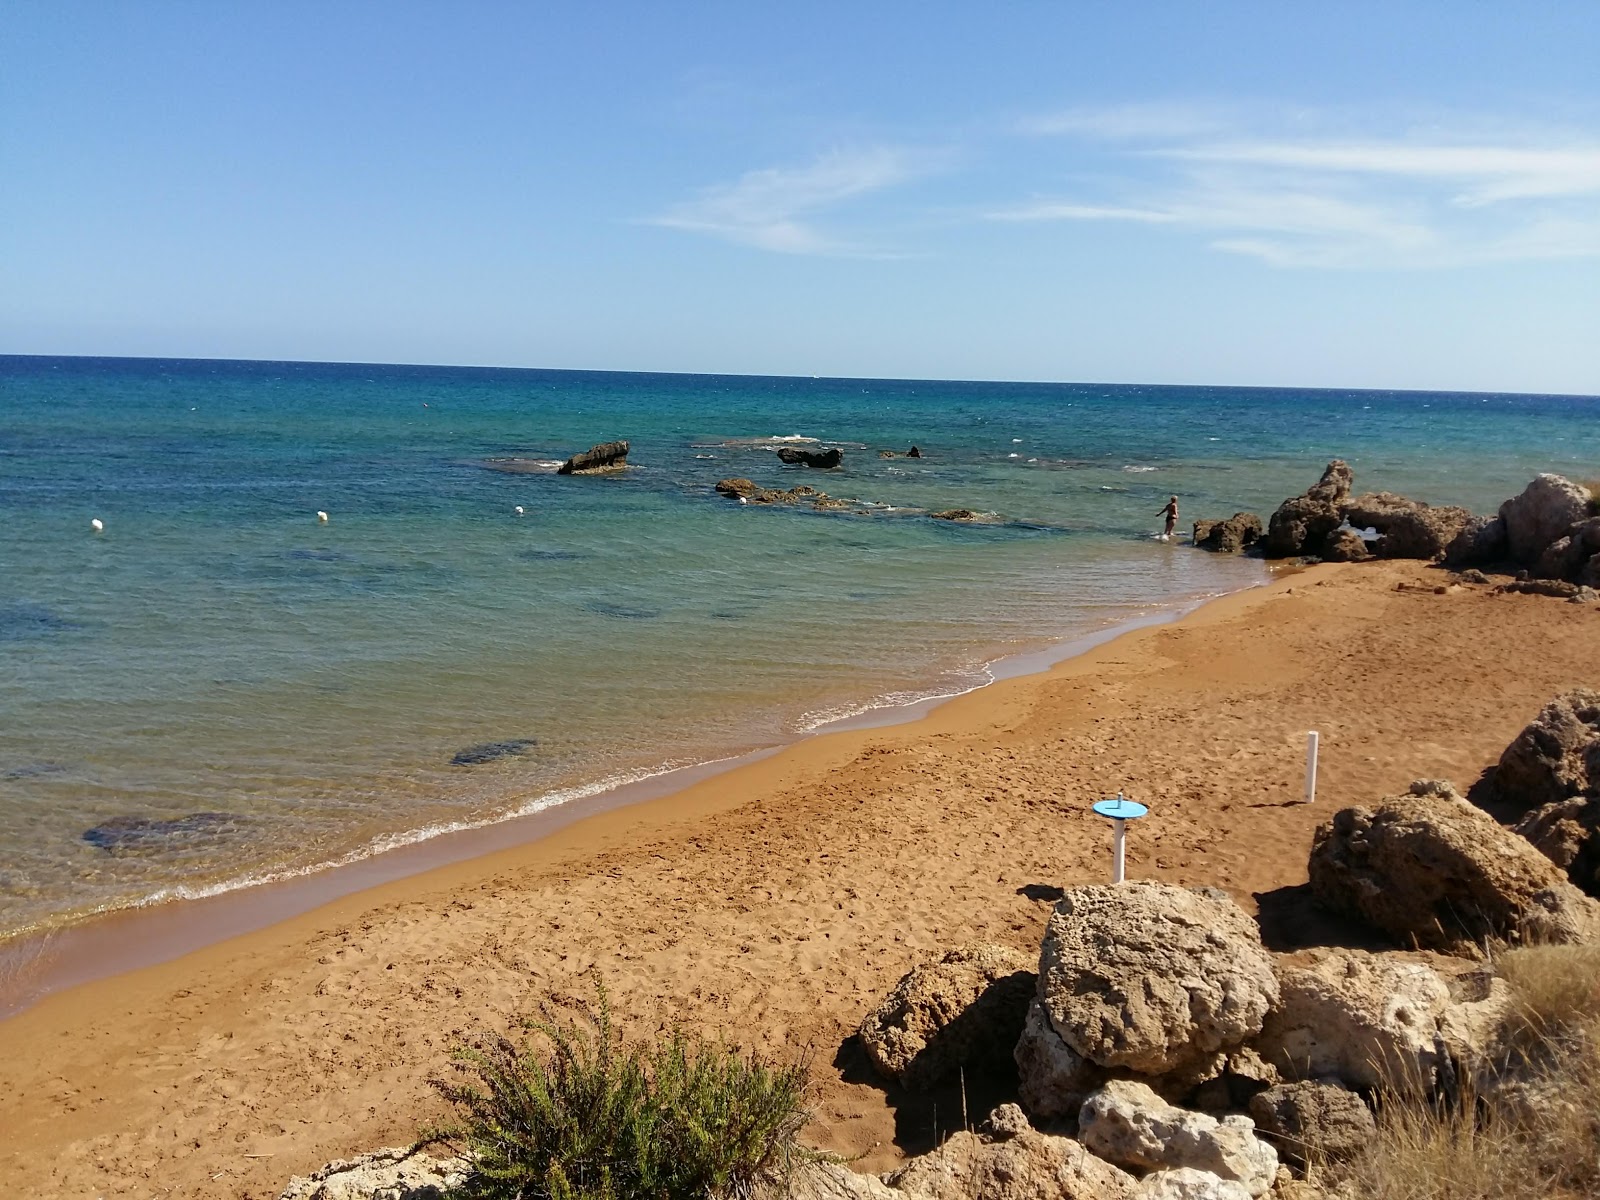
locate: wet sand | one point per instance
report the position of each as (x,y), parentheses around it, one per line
(773,904)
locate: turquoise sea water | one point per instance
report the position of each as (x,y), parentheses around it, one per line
(217,650)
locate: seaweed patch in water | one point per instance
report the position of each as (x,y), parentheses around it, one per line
(624,612)
(486,752)
(24,622)
(34,770)
(142,833)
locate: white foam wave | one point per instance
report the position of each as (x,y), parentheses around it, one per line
(1133,468)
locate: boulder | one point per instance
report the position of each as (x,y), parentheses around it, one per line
(1026,1165)
(1481,543)
(1128,1124)
(1546,509)
(1433,871)
(737,487)
(1185,1183)
(1053,1078)
(827,1181)
(1312,1122)
(1567,832)
(1301,524)
(1550,760)
(914,452)
(966,1009)
(393,1174)
(1239,532)
(607,456)
(1407,528)
(1346,545)
(1152,977)
(822,459)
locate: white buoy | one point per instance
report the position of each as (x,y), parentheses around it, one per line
(518,510)
(1311,766)
(97,525)
(322,516)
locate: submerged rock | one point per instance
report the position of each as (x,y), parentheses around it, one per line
(822,459)
(1238,533)
(486,752)
(140,833)
(607,456)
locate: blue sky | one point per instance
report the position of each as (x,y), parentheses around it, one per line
(1365,195)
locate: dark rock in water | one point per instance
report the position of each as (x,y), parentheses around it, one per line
(1346,545)
(959,514)
(625,612)
(607,456)
(487,752)
(737,487)
(322,556)
(36,770)
(1407,528)
(1302,524)
(142,833)
(913,453)
(823,459)
(1239,532)
(24,622)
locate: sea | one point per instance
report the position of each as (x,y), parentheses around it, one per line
(217,687)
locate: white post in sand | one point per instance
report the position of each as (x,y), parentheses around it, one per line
(1311,766)
(1121,811)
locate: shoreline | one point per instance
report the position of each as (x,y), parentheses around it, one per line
(774,904)
(36,964)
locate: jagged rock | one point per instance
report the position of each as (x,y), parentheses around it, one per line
(1301,524)
(1371,1020)
(1431,870)
(1550,759)
(1567,832)
(966,1008)
(822,459)
(956,514)
(1310,1121)
(1053,1078)
(737,487)
(607,456)
(913,453)
(1481,543)
(1346,545)
(1239,532)
(1026,1166)
(1126,1123)
(1406,528)
(1152,977)
(1547,509)
(393,1174)
(1473,575)
(1185,1183)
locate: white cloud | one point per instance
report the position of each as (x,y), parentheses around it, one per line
(773,209)
(1323,202)
(1128,122)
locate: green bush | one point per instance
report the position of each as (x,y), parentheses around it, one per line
(569,1113)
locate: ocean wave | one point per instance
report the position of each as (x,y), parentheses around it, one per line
(1136,469)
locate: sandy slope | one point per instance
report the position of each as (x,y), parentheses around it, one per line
(774,904)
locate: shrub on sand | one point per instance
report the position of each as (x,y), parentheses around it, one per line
(570,1113)
(1526,1123)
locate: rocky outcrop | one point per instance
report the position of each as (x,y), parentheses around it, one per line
(607,456)
(1556,756)
(1431,870)
(1053,1078)
(1238,533)
(827,1181)
(1346,545)
(1546,510)
(1572,556)
(393,1174)
(1406,528)
(1481,543)
(821,459)
(1185,1183)
(1311,1122)
(1022,1165)
(957,514)
(966,1008)
(1153,977)
(1567,832)
(1127,1124)
(1301,524)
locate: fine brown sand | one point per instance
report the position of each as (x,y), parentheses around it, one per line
(775,904)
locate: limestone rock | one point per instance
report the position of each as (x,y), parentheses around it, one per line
(965,1009)
(1028,1166)
(1407,528)
(1311,1121)
(1186,1183)
(1547,509)
(1152,977)
(392,1174)
(1549,760)
(956,514)
(1128,1124)
(1239,532)
(607,456)
(1006,1121)
(822,459)
(1054,1079)
(1346,545)
(1481,543)
(737,487)
(1431,870)
(1302,523)
(828,1181)
(1567,832)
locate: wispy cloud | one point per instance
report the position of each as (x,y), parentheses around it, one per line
(1128,122)
(1325,202)
(777,208)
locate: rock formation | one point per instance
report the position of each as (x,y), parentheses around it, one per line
(607,456)
(1547,509)
(1431,870)
(1026,1165)
(1551,771)
(1238,533)
(1302,523)
(1310,1121)
(1406,528)
(393,1174)
(822,459)
(966,1008)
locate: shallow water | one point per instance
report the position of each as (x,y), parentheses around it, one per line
(310,687)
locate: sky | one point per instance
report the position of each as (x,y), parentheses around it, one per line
(1387,195)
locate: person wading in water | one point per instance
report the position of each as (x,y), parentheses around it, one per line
(1171,514)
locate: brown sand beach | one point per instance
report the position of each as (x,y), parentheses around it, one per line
(774,904)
